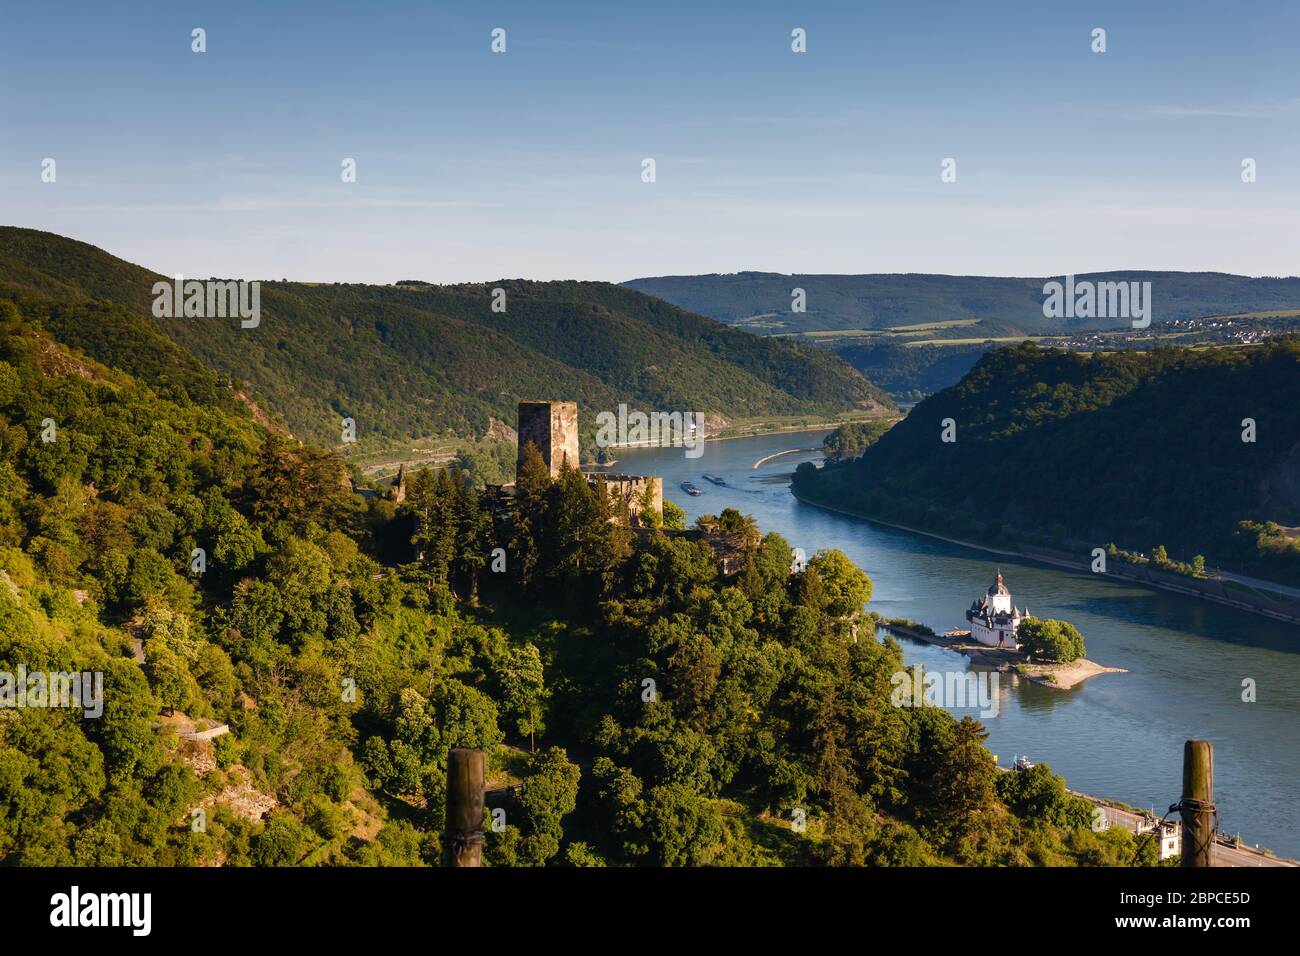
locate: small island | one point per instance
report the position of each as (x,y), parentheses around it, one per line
(1001,635)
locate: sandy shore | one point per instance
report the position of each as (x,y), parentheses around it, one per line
(1059,676)
(1065,676)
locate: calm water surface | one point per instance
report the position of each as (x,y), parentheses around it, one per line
(1117,735)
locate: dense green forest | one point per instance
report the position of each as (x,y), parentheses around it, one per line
(911,372)
(1003,306)
(416,360)
(1138,449)
(853,438)
(638,706)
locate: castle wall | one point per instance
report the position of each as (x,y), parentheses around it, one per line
(630,488)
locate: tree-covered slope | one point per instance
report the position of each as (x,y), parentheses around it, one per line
(1135,448)
(348,644)
(132,343)
(413,360)
(909,373)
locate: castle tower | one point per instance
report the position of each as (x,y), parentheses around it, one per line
(398,490)
(553,428)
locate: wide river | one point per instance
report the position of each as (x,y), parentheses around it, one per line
(1117,735)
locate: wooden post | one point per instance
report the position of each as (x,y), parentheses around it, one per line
(464,835)
(1198,803)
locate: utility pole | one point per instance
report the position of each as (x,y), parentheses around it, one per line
(464,835)
(1197,804)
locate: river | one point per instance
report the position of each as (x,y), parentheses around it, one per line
(1117,735)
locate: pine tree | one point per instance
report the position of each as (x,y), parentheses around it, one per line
(574,508)
(962,786)
(434,502)
(528,540)
(473,536)
(442,536)
(647,515)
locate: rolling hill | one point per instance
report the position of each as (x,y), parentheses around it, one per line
(761,301)
(1133,448)
(416,360)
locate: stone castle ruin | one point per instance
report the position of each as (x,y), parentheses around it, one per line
(553,428)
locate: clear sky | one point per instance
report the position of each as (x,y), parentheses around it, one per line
(476,166)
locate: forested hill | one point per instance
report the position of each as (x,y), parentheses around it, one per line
(1136,448)
(1003,305)
(416,360)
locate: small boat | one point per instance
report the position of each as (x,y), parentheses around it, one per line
(690,489)
(714,478)
(1022,763)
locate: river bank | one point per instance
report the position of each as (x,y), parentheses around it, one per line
(1277,610)
(762,428)
(750,429)
(381,460)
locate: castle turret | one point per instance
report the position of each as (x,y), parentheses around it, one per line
(398,490)
(993,618)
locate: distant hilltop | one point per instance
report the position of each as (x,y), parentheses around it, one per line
(762,301)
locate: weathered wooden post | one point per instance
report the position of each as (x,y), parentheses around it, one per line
(1197,805)
(464,836)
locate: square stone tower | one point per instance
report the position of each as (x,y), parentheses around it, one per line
(553,428)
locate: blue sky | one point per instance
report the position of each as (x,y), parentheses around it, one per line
(476,166)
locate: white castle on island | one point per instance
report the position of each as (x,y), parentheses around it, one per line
(993,618)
